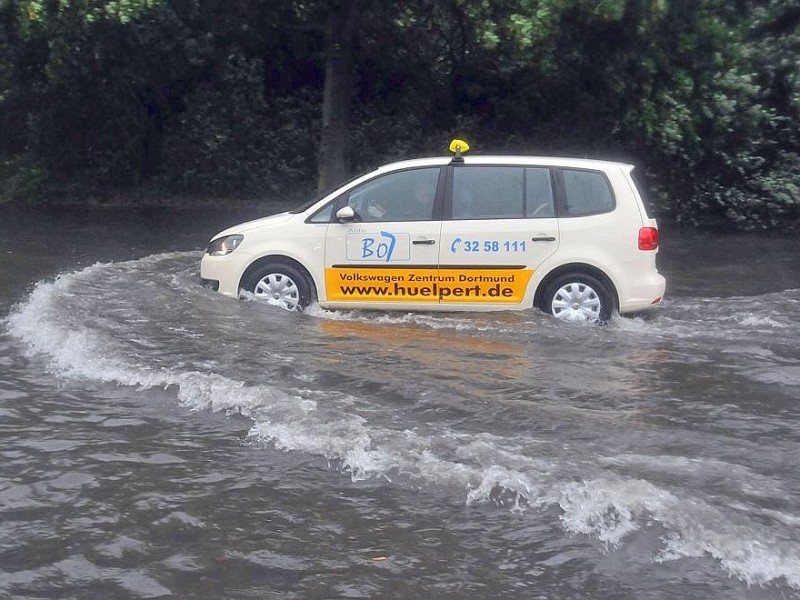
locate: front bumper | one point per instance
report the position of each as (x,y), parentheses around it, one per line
(226,270)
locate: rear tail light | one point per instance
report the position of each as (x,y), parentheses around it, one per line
(648,238)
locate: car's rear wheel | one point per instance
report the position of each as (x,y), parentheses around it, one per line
(279,284)
(578,297)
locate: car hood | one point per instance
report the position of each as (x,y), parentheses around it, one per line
(270,221)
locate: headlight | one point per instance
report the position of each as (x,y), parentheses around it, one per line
(224,245)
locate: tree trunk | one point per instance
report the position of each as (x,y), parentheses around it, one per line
(339,65)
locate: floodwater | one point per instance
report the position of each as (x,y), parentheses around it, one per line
(162,441)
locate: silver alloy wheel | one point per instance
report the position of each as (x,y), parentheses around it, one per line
(278,289)
(576,301)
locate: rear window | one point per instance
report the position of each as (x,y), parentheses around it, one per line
(586,192)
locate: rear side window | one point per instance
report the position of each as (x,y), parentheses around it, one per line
(586,192)
(497,192)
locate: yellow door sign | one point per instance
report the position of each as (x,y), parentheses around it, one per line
(409,284)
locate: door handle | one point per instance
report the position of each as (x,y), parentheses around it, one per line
(424,242)
(545,238)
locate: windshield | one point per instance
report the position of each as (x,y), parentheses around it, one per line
(306,205)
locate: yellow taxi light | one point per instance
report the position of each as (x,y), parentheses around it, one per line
(459,146)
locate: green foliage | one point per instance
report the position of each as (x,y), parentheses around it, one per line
(215,98)
(21,180)
(233,139)
(92,88)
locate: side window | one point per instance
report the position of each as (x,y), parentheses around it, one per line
(402,196)
(586,192)
(323,215)
(502,193)
(539,193)
(488,192)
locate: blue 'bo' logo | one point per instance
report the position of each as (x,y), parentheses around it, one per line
(373,247)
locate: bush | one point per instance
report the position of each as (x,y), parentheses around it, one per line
(233,139)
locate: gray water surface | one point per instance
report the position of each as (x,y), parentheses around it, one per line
(160,440)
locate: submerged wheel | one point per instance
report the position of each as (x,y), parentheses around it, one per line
(279,284)
(578,297)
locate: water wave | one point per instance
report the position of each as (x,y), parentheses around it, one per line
(63,321)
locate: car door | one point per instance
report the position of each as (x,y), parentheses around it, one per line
(499,226)
(383,249)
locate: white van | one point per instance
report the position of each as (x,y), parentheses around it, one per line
(569,236)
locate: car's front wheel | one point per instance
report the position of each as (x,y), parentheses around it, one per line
(279,284)
(578,297)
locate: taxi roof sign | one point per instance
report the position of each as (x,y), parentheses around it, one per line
(459,146)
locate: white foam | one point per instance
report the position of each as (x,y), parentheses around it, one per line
(483,467)
(756,562)
(760,321)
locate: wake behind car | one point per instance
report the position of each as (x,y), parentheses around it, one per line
(569,236)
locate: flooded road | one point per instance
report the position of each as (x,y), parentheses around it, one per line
(160,440)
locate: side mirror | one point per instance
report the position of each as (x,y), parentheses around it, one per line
(346,214)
